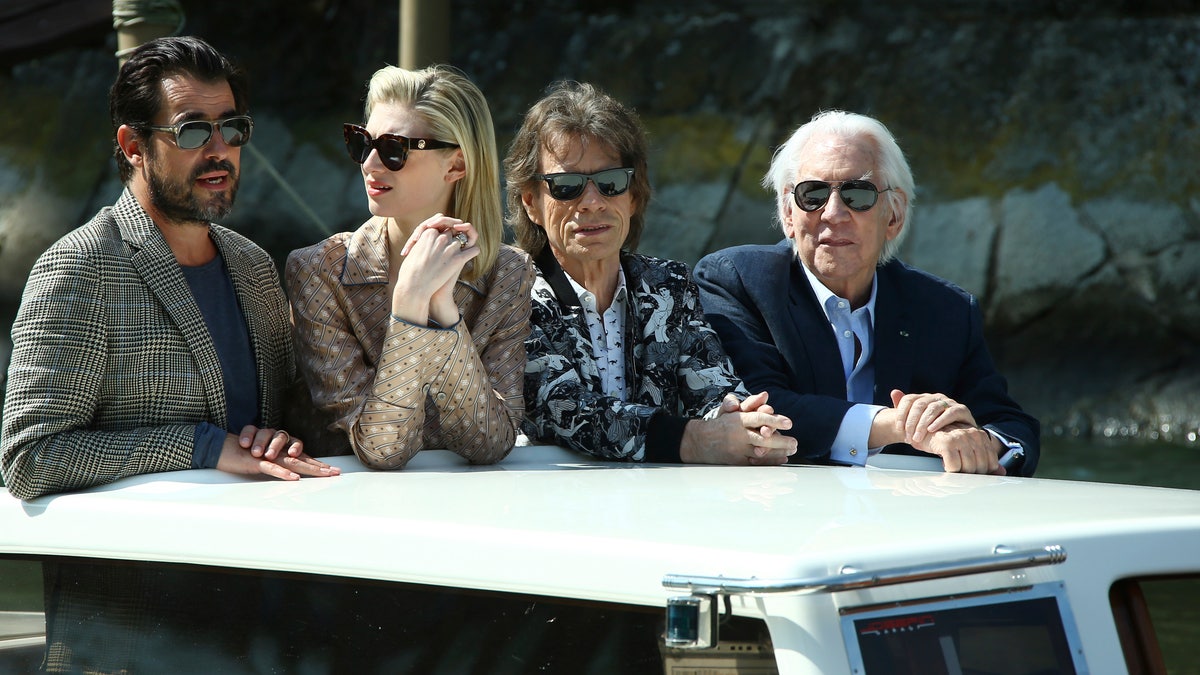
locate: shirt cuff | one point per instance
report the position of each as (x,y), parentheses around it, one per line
(206,446)
(664,435)
(850,444)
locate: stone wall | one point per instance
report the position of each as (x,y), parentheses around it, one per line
(1054,146)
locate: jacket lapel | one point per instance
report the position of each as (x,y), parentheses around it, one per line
(156,265)
(815,342)
(894,338)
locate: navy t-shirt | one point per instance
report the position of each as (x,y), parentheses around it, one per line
(213,290)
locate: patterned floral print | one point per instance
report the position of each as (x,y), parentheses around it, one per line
(674,363)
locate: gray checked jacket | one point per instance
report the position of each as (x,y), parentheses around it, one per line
(112,365)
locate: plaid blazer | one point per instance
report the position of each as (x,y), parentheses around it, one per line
(112,364)
(392,388)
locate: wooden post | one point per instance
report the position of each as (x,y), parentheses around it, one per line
(424,33)
(137,23)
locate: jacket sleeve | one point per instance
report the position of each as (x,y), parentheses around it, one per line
(479,393)
(61,340)
(758,359)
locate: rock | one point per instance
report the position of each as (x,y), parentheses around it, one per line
(954,241)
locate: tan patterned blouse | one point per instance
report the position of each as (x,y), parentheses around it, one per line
(396,388)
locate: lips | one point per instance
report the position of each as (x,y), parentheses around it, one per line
(592,229)
(375,188)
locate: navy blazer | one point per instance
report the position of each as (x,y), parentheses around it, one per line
(928,338)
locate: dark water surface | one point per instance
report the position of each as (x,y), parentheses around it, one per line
(1174,604)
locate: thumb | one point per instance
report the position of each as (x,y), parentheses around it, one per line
(730,404)
(896,396)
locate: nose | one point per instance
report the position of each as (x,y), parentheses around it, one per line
(591,199)
(835,209)
(217,147)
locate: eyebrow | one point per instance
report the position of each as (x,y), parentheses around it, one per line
(191,115)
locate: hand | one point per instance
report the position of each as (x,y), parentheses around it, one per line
(742,433)
(965,449)
(922,414)
(434,256)
(271,452)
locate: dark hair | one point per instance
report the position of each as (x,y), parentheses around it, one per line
(575,110)
(136,96)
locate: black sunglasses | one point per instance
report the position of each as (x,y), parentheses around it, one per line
(194,134)
(393,149)
(857,195)
(567,186)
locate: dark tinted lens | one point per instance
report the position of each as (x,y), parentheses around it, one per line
(193,135)
(356,145)
(567,186)
(236,131)
(612,182)
(858,195)
(812,194)
(392,153)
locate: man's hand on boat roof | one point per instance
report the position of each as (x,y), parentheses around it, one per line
(271,452)
(743,432)
(939,425)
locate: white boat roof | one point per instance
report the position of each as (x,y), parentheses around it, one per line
(550,522)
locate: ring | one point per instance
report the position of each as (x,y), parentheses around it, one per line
(461,239)
(286,434)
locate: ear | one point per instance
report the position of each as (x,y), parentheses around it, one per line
(896,219)
(456,168)
(789,230)
(527,201)
(131,144)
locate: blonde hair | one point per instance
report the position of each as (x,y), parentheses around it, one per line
(454,110)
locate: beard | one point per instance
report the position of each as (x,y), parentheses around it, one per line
(177,199)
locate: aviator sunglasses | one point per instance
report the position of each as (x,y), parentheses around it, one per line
(567,186)
(194,134)
(857,195)
(393,150)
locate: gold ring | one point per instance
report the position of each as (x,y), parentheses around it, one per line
(286,435)
(461,239)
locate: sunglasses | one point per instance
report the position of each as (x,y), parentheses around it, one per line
(567,186)
(195,134)
(393,150)
(857,195)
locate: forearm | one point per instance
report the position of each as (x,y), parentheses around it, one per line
(36,465)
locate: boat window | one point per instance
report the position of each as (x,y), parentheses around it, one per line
(153,617)
(1019,632)
(1156,619)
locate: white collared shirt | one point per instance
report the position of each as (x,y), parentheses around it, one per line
(607,333)
(850,444)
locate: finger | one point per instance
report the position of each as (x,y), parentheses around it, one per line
(730,404)
(309,466)
(296,448)
(754,402)
(279,443)
(262,438)
(277,471)
(768,460)
(896,395)
(247,436)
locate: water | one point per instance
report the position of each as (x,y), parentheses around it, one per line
(1174,604)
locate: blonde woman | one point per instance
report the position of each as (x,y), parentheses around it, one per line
(410,330)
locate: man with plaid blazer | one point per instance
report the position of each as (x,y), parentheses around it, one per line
(151,340)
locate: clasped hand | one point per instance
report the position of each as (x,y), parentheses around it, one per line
(743,432)
(434,256)
(939,425)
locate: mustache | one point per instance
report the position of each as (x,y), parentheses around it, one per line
(216,165)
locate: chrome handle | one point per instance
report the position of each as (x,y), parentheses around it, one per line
(850,578)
